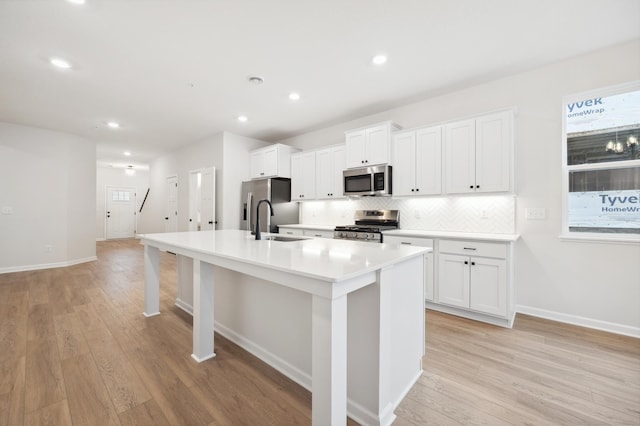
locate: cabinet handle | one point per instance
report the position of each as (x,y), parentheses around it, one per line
(471,186)
(469,248)
(417,189)
(405,243)
(466,262)
(473,263)
(289,232)
(362,161)
(477,186)
(412,189)
(317,235)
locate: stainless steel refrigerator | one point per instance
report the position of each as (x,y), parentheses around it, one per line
(276,190)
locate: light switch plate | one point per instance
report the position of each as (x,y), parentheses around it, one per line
(535,213)
(7,210)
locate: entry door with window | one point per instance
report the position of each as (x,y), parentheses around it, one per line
(171,210)
(121,212)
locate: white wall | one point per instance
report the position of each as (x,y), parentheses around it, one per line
(48,180)
(228,153)
(109,176)
(590,283)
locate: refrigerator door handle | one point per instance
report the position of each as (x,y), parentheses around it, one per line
(247,210)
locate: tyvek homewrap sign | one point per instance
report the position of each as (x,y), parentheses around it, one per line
(603,113)
(608,209)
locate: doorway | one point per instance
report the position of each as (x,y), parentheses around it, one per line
(120,213)
(171,210)
(202,198)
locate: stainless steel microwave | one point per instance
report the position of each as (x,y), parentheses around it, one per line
(373,180)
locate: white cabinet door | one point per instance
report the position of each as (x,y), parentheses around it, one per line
(493,153)
(488,286)
(264,163)
(404,163)
(429,259)
(460,157)
(428,161)
(339,160)
(453,280)
(316,233)
(356,143)
(377,145)
(330,163)
(303,176)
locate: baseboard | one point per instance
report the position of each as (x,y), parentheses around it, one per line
(490,319)
(101,239)
(581,321)
(184,306)
(295,374)
(25,268)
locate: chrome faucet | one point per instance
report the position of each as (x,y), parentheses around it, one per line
(258,236)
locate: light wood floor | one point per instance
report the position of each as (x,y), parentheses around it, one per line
(75,349)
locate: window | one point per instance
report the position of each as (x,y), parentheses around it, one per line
(602,163)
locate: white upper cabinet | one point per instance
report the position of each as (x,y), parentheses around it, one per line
(493,152)
(303,176)
(271,161)
(330,163)
(478,154)
(369,146)
(417,160)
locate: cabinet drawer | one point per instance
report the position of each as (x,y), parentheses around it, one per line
(473,248)
(415,241)
(291,231)
(317,233)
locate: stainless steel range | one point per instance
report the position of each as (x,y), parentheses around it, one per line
(369,225)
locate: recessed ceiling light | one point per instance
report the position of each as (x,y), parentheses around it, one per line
(379,59)
(294,96)
(76,1)
(127,154)
(113,124)
(242,118)
(60,63)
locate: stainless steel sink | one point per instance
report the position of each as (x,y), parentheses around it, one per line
(283,238)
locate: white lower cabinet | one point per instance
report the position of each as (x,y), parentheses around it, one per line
(429,263)
(474,275)
(468,278)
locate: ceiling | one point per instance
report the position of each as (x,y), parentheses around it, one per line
(172,72)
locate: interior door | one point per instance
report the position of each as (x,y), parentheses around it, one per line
(208,199)
(171,210)
(120,213)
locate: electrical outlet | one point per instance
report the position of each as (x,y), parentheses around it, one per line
(48,248)
(484,214)
(535,213)
(7,210)
(418,215)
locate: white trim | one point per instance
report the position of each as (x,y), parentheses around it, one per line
(588,237)
(100,239)
(25,268)
(466,313)
(184,306)
(580,321)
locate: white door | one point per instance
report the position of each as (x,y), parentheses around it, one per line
(121,212)
(202,198)
(493,154)
(453,280)
(377,145)
(355,144)
(171,210)
(488,288)
(208,199)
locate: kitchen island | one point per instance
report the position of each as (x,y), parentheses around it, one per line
(359,306)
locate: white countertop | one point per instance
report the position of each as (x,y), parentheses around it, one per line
(454,235)
(320,258)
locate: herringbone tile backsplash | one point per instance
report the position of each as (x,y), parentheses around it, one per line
(486,214)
